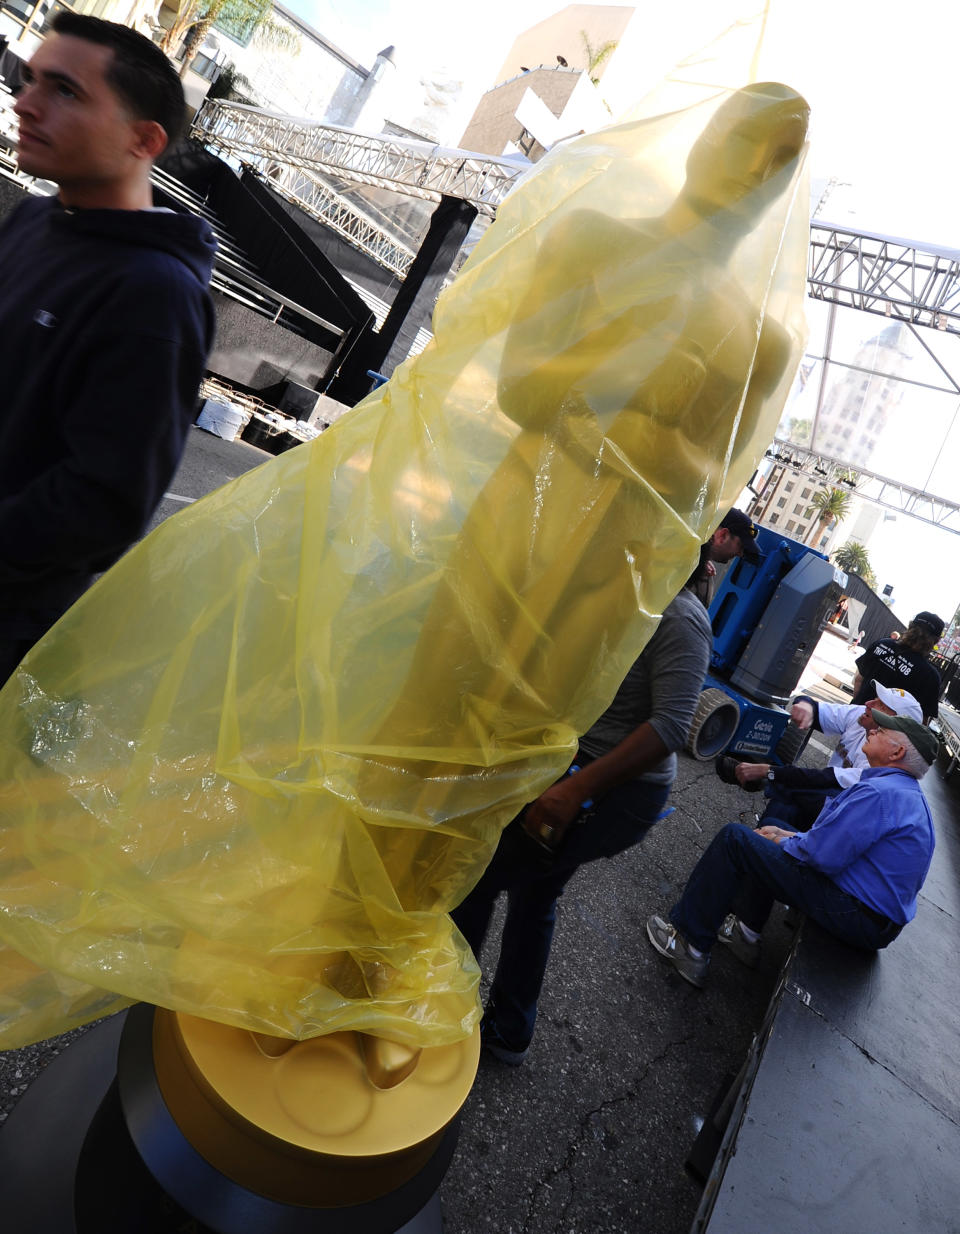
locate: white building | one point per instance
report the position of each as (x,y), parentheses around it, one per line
(289,68)
(302,73)
(858,408)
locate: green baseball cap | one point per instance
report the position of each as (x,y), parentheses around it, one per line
(925,741)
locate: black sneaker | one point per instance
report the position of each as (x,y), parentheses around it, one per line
(726,768)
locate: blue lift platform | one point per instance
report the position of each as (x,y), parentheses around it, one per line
(767,618)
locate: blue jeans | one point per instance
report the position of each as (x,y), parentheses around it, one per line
(534,879)
(744,873)
(796,809)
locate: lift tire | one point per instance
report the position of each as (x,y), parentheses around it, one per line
(714,724)
(792,744)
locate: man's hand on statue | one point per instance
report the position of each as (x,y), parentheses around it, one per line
(548,818)
(802,715)
(746,773)
(776,834)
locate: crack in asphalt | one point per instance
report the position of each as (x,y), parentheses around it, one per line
(566,1166)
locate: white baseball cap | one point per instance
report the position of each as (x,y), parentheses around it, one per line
(900,702)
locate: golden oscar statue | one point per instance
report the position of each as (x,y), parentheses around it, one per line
(246,777)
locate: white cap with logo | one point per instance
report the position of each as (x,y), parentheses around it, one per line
(900,702)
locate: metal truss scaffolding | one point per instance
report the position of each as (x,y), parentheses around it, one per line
(307,162)
(881,491)
(860,270)
(916,285)
(320,200)
(878,274)
(415,168)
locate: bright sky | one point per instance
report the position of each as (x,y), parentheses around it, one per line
(878,73)
(879,76)
(922,563)
(431,34)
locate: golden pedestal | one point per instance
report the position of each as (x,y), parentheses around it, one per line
(178,1123)
(306,1125)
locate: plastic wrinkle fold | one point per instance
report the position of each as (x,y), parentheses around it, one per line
(251,770)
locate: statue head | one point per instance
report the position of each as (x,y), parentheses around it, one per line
(746,155)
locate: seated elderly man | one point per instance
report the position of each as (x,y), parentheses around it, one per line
(857,871)
(796,795)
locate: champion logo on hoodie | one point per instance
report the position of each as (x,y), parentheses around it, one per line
(43,318)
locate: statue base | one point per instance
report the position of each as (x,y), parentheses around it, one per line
(92,1146)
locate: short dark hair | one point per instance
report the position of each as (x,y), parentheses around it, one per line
(139,72)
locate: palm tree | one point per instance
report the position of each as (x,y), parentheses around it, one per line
(195,17)
(799,431)
(832,505)
(852,557)
(189,15)
(596,55)
(230,84)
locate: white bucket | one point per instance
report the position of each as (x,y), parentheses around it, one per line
(222,419)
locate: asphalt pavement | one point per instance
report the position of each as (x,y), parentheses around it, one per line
(590,1135)
(208,463)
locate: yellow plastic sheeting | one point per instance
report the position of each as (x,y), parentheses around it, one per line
(250,771)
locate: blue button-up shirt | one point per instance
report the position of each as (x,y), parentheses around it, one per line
(875,840)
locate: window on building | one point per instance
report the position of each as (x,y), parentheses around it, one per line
(781,502)
(526,141)
(791,524)
(20,8)
(237,21)
(19,15)
(207,68)
(774,517)
(801,530)
(788,488)
(798,508)
(805,494)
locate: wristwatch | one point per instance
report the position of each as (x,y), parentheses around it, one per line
(770,775)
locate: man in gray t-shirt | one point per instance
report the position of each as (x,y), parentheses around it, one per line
(663,687)
(611,796)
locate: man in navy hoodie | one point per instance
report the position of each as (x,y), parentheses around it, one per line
(105,321)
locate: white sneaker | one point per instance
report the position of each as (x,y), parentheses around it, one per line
(731,935)
(671,944)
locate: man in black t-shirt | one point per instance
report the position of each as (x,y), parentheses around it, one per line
(904,665)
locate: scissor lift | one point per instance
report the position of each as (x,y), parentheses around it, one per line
(766,618)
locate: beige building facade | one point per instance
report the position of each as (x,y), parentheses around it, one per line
(532,111)
(569,34)
(547,87)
